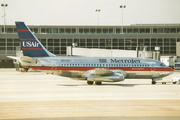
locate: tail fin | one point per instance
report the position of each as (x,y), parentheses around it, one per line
(30,45)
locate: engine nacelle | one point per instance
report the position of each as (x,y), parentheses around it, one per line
(114,78)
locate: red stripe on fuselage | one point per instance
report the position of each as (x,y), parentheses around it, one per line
(92,68)
(27,39)
(32,49)
(22,30)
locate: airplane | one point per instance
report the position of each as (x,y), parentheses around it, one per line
(90,69)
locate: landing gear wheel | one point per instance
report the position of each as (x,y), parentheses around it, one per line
(174,82)
(98,83)
(153,82)
(90,82)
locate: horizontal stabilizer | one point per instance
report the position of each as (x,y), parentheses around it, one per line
(23,59)
(13,57)
(28,59)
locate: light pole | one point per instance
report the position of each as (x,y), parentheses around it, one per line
(97,10)
(122,6)
(4,5)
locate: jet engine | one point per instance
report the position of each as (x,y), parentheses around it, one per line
(114,78)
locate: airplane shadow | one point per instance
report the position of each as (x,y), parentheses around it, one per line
(120,85)
(124,85)
(67,85)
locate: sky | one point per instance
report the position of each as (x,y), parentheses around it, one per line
(82,12)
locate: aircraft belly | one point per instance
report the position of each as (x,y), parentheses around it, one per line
(146,74)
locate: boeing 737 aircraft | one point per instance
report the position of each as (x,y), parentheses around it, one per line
(91,69)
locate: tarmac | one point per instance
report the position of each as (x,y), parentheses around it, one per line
(40,96)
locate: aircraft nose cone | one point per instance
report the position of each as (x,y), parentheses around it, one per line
(171,71)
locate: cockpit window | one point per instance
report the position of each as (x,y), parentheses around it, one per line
(162,64)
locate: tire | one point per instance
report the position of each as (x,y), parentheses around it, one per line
(174,82)
(98,83)
(153,82)
(90,82)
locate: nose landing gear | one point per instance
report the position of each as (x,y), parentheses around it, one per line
(153,81)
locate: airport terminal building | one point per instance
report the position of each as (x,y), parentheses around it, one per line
(57,38)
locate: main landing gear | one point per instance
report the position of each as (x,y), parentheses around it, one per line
(91,82)
(98,83)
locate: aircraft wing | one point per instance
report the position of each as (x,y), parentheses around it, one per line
(103,72)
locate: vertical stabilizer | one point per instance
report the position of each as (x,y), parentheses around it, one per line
(30,45)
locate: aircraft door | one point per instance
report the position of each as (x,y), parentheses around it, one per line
(54,67)
(152,68)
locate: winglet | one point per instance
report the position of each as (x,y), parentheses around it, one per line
(30,45)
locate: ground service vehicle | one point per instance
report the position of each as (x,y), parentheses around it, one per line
(177,66)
